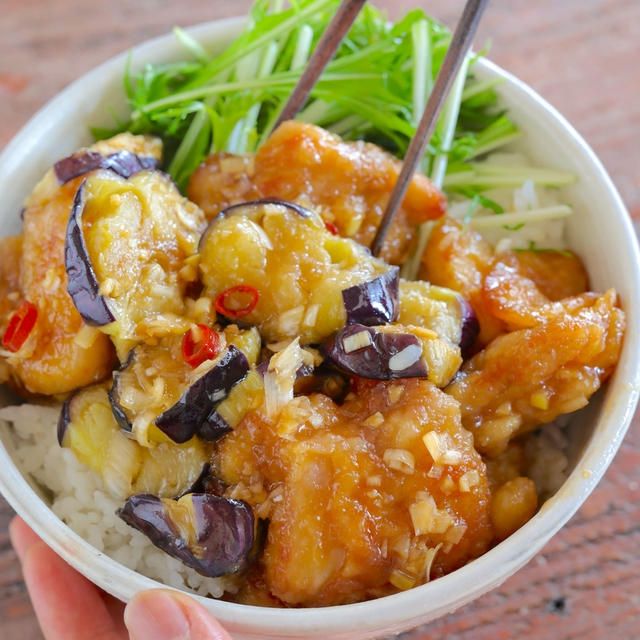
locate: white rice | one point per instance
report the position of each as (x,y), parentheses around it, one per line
(546,454)
(547,234)
(78,498)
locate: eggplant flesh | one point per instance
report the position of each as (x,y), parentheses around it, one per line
(126,245)
(245,396)
(208,533)
(87,427)
(300,273)
(439,309)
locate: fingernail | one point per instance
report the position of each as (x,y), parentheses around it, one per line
(155,615)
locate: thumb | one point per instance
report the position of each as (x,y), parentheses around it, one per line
(161,614)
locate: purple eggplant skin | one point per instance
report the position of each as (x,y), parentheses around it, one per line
(118,412)
(214,427)
(124,163)
(237,209)
(251,210)
(82,283)
(374,302)
(372,361)
(470,328)
(65,418)
(224,531)
(183,420)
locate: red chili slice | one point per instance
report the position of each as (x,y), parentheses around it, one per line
(21,325)
(239,312)
(206,346)
(331,228)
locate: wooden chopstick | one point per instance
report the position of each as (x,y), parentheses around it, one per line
(324,51)
(460,44)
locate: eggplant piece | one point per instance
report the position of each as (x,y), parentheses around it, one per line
(185,418)
(394,351)
(297,271)
(373,302)
(254,210)
(88,427)
(214,427)
(439,309)
(146,149)
(124,163)
(210,534)
(469,328)
(83,284)
(126,245)
(245,396)
(367,353)
(155,406)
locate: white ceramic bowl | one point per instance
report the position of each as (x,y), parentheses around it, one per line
(600,232)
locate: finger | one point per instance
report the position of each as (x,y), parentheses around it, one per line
(115,608)
(22,537)
(67,605)
(165,615)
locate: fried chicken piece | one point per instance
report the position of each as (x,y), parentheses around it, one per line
(363,499)
(10,252)
(531,376)
(57,362)
(557,275)
(519,291)
(348,183)
(504,289)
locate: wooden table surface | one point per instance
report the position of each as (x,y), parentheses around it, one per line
(582,55)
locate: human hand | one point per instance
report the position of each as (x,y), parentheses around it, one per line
(69,607)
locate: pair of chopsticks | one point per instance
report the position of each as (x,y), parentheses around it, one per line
(326,48)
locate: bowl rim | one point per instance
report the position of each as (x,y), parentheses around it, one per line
(478,576)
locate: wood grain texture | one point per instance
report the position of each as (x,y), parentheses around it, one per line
(582,56)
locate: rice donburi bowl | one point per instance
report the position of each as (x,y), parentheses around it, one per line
(371,399)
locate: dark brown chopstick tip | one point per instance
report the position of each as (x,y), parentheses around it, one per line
(458,48)
(334,34)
